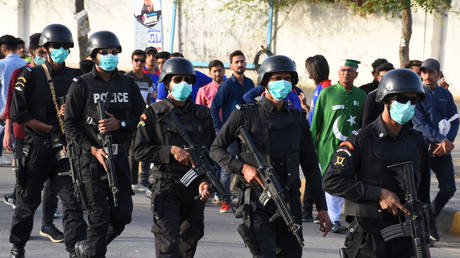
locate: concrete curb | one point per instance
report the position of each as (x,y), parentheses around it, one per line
(448,222)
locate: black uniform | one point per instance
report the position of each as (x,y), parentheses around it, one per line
(358,171)
(177,216)
(290,143)
(372,109)
(122,99)
(32,100)
(370,86)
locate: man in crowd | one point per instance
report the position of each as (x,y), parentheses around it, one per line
(414,65)
(145,84)
(178,217)
(34,105)
(318,70)
(372,109)
(359,171)
(375,83)
(436,117)
(123,105)
(49,203)
(11,62)
(152,70)
(338,113)
(282,137)
(229,95)
(206,93)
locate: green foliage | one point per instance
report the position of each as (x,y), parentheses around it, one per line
(363,7)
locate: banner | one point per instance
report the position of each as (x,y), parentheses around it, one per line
(148,29)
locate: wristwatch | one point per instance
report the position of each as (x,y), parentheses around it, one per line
(123,124)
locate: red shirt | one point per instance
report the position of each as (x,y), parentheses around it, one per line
(18,129)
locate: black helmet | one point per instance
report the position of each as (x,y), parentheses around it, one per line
(275,64)
(400,81)
(56,33)
(177,65)
(102,39)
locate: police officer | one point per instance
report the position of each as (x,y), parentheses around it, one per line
(288,143)
(177,214)
(33,105)
(123,104)
(358,170)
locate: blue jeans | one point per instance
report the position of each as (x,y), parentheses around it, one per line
(443,168)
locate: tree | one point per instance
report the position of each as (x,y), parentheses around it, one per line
(396,8)
(82,33)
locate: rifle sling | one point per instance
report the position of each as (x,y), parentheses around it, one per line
(53,96)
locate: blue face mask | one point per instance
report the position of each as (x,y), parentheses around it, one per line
(38,60)
(279,89)
(108,62)
(401,113)
(59,55)
(181,91)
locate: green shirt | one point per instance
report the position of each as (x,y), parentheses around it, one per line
(337,114)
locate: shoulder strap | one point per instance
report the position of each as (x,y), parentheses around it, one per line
(265,122)
(53,95)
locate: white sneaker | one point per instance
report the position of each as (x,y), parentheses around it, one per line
(4,161)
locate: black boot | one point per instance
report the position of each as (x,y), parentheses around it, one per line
(80,249)
(17,252)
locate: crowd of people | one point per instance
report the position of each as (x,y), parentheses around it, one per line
(342,142)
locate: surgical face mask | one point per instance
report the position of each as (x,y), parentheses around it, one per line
(279,89)
(108,62)
(59,55)
(38,60)
(181,91)
(401,113)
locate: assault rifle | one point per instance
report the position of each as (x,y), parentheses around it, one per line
(203,164)
(415,225)
(272,190)
(106,139)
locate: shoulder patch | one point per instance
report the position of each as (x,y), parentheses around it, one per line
(355,132)
(238,107)
(143,116)
(339,161)
(75,79)
(141,123)
(347,144)
(344,151)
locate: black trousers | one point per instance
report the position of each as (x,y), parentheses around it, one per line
(40,166)
(177,219)
(274,239)
(49,203)
(307,201)
(105,222)
(50,200)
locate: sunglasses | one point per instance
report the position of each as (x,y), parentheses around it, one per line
(404,99)
(137,60)
(179,79)
(59,45)
(105,52)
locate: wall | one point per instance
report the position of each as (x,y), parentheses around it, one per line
(204,31)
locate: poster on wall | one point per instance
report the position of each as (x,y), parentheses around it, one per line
(148,30)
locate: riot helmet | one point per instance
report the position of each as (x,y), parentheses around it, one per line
(174,66)
(56,33)
(400,81)
(100,40)
(275,64)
